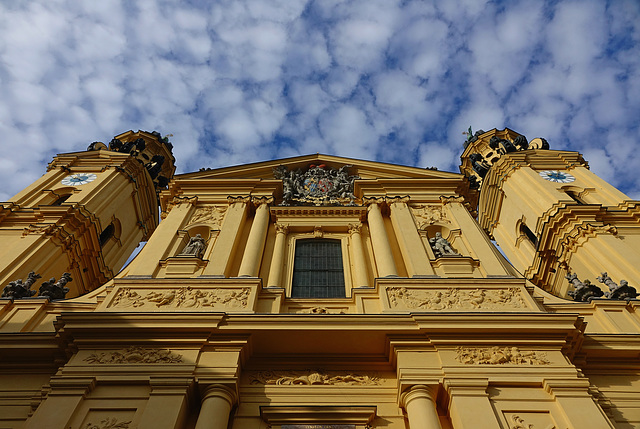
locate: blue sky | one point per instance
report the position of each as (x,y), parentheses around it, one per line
(244,81)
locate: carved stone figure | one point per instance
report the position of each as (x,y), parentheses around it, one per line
(619,293)
(583,291)
(479,165)
(195,247)
(442,247)
(17,290)
(55,290)
(318,185)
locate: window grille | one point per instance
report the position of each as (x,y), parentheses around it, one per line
(317,269)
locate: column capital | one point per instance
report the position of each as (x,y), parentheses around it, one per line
(238,199)
(446,199)
(397,200)
(259,201)
(369,201)
(281,228)
(420,391)
(218,391)
(355,228)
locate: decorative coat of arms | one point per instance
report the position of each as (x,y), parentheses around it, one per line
(319,185)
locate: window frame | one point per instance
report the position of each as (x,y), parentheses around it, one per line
(292,238)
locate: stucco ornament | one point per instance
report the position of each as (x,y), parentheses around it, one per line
(499,356)
(185,297)
(617,292)
(134,355)
(427,215)
(455,299)
(55,290)
(109,423)
(211,215)
(311,377)
(319,185)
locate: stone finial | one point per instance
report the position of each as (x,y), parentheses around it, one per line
(17,290)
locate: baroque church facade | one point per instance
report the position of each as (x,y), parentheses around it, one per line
(320,292)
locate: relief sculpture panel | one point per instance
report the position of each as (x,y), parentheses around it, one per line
(311,377)
(185,297)
(404,298)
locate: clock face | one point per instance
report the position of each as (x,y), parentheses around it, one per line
(557,176)
(79,179)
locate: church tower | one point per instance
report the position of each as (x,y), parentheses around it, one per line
(554,219)
(87,213)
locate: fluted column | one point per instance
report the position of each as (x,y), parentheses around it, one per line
(255,242)
(413,251)
(359,262)
(381,247)
(420,403)
(277,260)
(216,406)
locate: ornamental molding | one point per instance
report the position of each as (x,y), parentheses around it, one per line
(258,201)
(108,423)
(312,378)
(427,215)
(211,215)
(281,228)
(185,297)
(134,355)
(238,199)
(500,356)
(455,299)
(580,235)
(319,310)
(398,200)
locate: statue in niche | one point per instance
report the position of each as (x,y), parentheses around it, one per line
(441,246)
(55,290)
(195,247)
(583,291)
(17,290)
(617,292)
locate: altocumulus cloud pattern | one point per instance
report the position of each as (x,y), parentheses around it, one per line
(397,81)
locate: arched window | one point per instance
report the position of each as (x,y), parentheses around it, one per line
(60,200)
(317,269)
(574,196)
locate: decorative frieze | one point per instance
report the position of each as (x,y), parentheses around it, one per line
(109,423)
(499,356)
(455,299)
(427,215)
(310,377)
(184,297)
(134,355)
(210,215)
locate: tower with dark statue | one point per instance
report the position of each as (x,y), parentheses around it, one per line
(320,292)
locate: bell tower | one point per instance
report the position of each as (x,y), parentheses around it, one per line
(551,215)
(87,213)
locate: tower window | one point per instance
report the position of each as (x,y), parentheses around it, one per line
(317,269)
(574,196)
(106,234)
(60,200)
(524,229)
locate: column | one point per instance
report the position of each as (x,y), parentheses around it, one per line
(420,403)
(469,405)
(359,262)
(255,242)
(411,247)
(223,250)
(381,247)
(216,406)
(277,260)
(167,407)
(156,248)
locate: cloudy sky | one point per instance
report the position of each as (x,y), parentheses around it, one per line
(251,80)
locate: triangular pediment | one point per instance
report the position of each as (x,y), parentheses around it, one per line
(361,168)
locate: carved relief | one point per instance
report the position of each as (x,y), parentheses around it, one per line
(455,299)
(109,423)
(39,229)
(499,356)
(319,310)
(185,297)
(427,215)
(310,377)
(211,215)
(452,199)
(134,354)
(319,185)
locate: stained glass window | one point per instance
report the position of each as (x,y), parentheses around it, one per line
(317,269)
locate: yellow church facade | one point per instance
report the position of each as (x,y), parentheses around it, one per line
(320,292)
